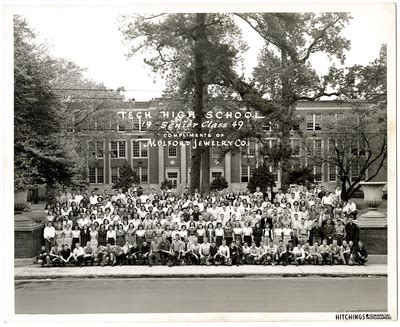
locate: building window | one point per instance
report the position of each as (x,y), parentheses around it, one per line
(332,173)
(114,174)
(117,149)
(172,152)
(121,127)
(313,122)
(331,147)
(318,177)
(142,173)
(251,148)
(247,173)
(216,174)
(357,150)
(92,175)
(96,175)
(214,153)
(96,149)
(135,124)
(317,147)
(139,149)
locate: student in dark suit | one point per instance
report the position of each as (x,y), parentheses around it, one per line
(360,254)
(351,231)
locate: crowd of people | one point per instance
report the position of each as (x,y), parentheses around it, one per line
(136,227)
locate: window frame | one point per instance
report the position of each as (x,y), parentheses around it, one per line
(118,149)
(140,143)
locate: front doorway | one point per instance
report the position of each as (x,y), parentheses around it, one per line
(173,176)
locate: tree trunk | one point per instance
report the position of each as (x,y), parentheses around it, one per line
(285,129)
(344,194)
(198,100)
(205,171)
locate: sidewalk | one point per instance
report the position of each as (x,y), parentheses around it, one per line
(37,272)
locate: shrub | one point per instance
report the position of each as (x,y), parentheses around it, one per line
(127,178)
(261,178)
(218,184)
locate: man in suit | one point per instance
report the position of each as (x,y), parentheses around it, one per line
(235,251)
(360,254)
(351,231)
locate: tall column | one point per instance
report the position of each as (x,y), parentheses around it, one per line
(161,170)
(228,167)
(183,166)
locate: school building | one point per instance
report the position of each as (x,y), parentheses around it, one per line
(111,141)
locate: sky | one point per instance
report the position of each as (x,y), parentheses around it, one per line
(91,39)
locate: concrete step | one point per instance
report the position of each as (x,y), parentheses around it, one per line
(377,259)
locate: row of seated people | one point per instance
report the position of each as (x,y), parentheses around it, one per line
(161,251)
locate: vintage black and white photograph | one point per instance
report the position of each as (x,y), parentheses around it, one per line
(202,163)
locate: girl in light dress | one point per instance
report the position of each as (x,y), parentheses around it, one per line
(287,234)
(67,231)
(111,235)
(278,233)
(59,236)
(268,235)
(140,236)
(237,232)
(130,233)
(94,235)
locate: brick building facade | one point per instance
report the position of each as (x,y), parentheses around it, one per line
(112,142)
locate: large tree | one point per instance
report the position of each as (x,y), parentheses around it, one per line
(283,76)
(357,141)
(51,98)
(189,50)
(41,155)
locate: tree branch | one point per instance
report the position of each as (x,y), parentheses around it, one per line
(317,39)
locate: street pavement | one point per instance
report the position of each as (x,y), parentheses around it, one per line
(37,272)
(199,295)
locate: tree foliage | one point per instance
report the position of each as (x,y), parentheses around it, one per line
(358,139)
(166,185)
(218,184)
(301,176)
(261,178)
(283,76)
(51,98)
(41,154)
(127,178)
